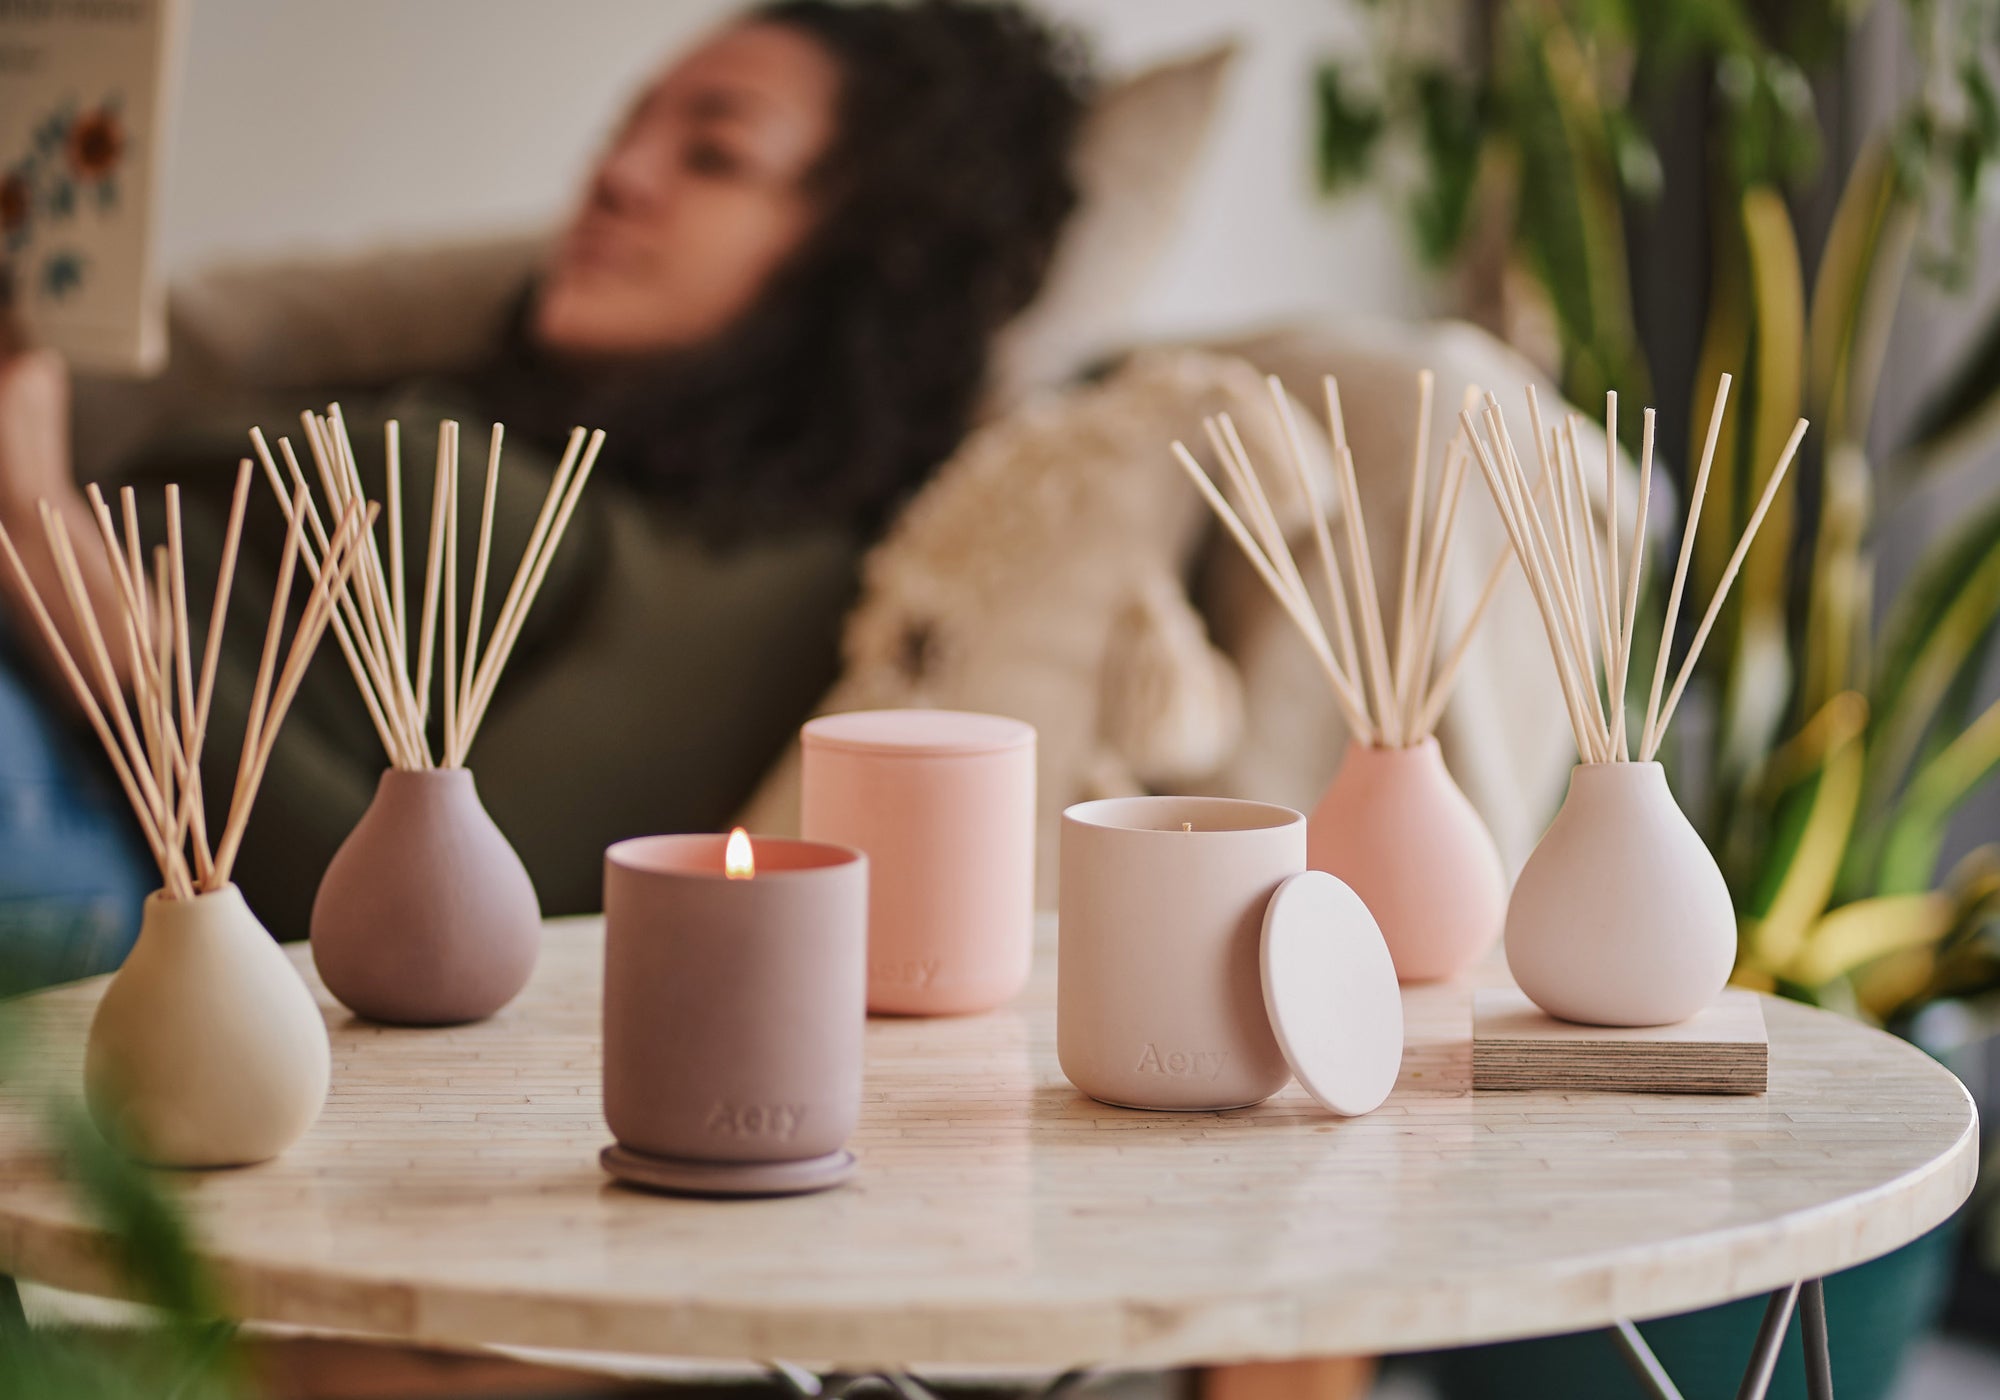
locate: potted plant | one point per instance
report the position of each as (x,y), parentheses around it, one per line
(1830,754)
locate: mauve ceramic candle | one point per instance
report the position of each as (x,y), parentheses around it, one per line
(943,802)
(1159,993)
(733,1014)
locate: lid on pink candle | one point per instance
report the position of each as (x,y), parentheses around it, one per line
(1330,988)
(917,733)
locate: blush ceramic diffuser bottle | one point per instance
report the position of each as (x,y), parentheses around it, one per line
(1398,831)
(1621,917)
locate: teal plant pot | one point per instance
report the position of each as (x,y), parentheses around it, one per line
(1874,1312)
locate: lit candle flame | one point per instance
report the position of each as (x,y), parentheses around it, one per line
(738,861)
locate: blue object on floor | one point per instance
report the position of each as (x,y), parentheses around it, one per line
(73,871)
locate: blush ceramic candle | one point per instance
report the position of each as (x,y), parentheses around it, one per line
(733,1013)
(943,802)
(1159,997)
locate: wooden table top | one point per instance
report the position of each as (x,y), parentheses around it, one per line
(451,1194)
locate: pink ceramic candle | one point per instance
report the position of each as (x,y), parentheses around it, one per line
(1159,993)
(733,1012)
(943,802)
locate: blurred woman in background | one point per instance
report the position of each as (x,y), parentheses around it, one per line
(776,295)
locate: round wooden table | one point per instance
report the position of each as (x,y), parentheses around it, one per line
(451,1195)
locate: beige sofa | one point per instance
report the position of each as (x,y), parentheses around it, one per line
(1059,567)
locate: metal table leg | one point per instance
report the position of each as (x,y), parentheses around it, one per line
(1819,1362)
(1763,1353)
(900,1385)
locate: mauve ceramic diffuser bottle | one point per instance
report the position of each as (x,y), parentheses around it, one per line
(426,917)
(733,1014)
(1397,829)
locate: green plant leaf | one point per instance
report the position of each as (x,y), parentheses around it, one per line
(1818,773)
(1856,934)
(1350,128)
(155,1249)
(1962,411)
(1449,128)
(1571,232)
(1941,626)
(1916,834)
(1752,630)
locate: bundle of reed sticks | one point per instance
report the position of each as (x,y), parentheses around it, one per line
(155,742)
(1390,696)
(371,622)
(1577,583)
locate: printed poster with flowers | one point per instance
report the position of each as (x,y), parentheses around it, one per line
(85,93)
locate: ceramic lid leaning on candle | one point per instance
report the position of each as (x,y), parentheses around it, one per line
(1330,987)
(1201,964)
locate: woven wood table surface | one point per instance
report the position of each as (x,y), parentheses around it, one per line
(451,1194)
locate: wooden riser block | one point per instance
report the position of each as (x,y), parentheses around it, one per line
(1516,1045)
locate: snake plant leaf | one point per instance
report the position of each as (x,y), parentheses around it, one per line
(1856,291)
(1916,835)
(1842,595)
(1818,772)
(1963,412)
(1942,626)
(1572,231)
(1857,934)
(1758,682)
(1725,349)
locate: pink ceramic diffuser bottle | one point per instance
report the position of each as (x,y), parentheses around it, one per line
(1396,829)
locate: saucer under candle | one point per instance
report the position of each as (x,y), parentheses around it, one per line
(735,996)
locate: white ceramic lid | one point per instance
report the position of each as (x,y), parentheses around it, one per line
(1331,992)
(917,733)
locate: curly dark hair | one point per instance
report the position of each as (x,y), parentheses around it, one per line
(859,368)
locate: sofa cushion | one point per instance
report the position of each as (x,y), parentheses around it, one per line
(1041,575)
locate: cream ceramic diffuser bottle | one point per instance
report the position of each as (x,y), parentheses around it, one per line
(425,915)
(1621,916)
(206,1050)
(1393,825)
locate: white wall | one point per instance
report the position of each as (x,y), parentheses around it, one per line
(312,124)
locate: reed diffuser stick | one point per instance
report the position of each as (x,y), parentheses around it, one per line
(157,761)
(1548,555)
(1387,697)
(1695,499)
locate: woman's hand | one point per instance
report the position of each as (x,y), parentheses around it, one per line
(35,466)
(34,437)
